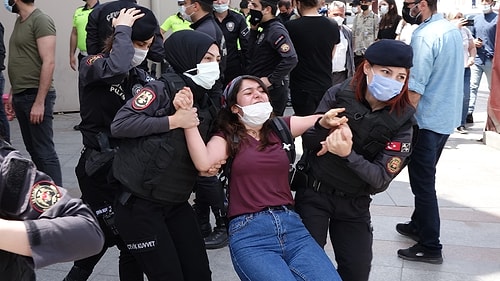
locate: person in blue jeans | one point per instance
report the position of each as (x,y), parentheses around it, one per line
(267,238)
(484,33)
(436,89)
(4,127)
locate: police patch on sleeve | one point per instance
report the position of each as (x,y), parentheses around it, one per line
(44,194)
(143,99)
(285,48)
(93,58)
(393,165)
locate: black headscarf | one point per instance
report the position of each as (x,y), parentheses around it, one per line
(186,48)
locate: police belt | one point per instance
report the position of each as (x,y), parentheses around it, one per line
(323,187)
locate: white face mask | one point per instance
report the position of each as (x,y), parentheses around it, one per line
(383,10)
(184,15)
(355,10)
(221,8)
(139,57)
(207,74)
(487,8)
(255,115)
(339,20)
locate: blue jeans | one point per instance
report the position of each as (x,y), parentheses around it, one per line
(422,171)
(275,245)
(475,78)
(465,105)
(5,128)
(38,139)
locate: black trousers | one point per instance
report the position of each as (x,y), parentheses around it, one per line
(349,222)
(99,193)
(278,96)
(165,239)
(305,101)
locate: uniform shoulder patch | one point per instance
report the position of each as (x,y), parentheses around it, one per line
(92,59)
(285,48)
(279,39)
(142,100)
(44,194)
(393,165)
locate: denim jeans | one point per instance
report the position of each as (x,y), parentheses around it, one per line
(275,245)
(5,129)
(465,105)
(422,172)
(38,139)
(475,78)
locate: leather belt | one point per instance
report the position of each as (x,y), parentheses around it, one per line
(288,207)
(319,186)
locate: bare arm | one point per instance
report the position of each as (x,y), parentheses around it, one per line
(72,49)
(472,52)
(47,50)
(14,237)
(298,125)
(205,156)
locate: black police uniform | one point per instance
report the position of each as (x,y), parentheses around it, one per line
(337,195)
(99,28)
(272,55)
(55,223)
(236,32)
(106,81)
(157,175)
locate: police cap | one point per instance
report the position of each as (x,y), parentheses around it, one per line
(144,28)
(389,52)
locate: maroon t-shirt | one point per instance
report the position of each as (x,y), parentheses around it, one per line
(259,179)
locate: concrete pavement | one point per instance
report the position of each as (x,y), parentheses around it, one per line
(468,187)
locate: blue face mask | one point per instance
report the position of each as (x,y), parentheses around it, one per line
(7,6)
(383,88)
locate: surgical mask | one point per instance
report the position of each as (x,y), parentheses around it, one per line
(255,115)
(487,9)
(383,88)
(184,15)
(139,57)
(355,10)
(406,12)
(255,17)
(339,20)
(221,8)
(383,10)
(364,7)
(11,6)
(207,74)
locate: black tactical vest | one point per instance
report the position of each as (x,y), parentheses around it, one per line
(371,133)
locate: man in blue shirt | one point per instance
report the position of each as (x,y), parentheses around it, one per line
(436,89)
(484,32)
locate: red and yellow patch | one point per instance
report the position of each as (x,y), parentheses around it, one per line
(143,99)
(393,165)
(285,48)
(44,195)
(93,58)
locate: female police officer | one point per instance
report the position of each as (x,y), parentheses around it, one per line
(153,215)
(359,158)
(107,81)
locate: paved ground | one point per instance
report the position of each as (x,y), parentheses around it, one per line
(468,188)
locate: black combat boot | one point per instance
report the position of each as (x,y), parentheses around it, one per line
(77,274)
(218,238)
(203,215)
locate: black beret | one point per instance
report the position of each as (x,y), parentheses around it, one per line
(388,52)
(145,27)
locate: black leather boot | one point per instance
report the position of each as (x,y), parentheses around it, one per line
(203,215)
(218,238)
(77,274)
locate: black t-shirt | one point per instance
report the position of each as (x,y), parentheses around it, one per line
(389,31)
(314,39)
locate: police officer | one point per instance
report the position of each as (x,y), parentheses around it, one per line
(236,32)
(99,28)
(272,55)
(360,158)
(155,169)
(107,80)
(40,224)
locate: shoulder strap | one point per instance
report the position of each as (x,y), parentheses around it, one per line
(280,127)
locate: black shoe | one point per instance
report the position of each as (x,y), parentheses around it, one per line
(421,254)
(206,229)
(462,130)
(76,127)
(217,239)
(407,230)
(469,119)
(77,274)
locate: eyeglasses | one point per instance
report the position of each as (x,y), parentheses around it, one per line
(407,4)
